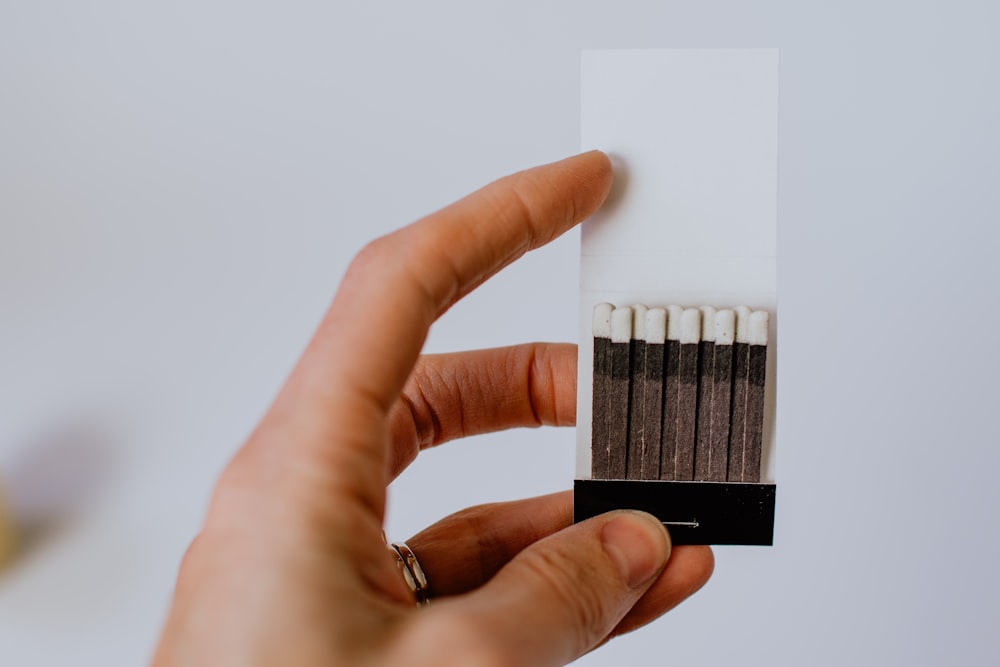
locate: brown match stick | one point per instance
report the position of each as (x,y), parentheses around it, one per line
(722,382)
(706,375)
(656,333)
(741,380)
(600,437)
(755,395)
(621,334)
(687,394)
(637,391)
(671,362)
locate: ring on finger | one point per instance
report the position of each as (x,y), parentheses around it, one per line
(412,572)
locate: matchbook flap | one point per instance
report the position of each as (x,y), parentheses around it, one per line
(690,226)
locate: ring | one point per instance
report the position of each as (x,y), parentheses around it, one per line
(412,572)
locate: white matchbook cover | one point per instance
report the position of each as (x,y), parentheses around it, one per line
(692,217)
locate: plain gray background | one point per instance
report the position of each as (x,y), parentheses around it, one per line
(182,185)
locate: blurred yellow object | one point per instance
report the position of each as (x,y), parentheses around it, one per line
(7,534)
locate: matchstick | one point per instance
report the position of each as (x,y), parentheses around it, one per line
(687,394)
(637,391)
(706,375)
(656,335)
(621,335)
(741,380)
(722,382)
(600,438)
(671,361)
(678,393)
(755,395)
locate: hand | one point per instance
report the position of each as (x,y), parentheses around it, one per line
(291,568)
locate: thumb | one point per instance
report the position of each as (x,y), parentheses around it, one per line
(565,594)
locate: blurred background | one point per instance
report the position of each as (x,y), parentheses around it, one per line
(183,184)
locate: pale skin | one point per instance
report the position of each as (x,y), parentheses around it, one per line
(291,568)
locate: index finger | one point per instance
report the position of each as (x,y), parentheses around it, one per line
(354,368)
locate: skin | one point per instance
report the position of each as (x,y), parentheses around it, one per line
(291,568)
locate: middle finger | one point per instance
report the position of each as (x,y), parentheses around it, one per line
(454,395)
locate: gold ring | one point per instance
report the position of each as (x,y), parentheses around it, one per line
(412,572)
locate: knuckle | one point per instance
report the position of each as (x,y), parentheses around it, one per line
(494,548)
(191,555)
(423,267)
(371,254)
(421,411)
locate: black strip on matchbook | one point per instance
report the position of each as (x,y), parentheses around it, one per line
(694,512)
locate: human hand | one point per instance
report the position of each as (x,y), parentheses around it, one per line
(291,567)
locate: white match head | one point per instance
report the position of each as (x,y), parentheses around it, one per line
(602,320)
(674,322)
(690,326)
(707,323)
(639,321)
(621,325)
(758,327)
(656,325)
(725,327)
(742,324)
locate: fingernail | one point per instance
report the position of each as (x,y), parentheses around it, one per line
(638,544)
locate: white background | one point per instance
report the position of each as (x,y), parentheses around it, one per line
(181,187)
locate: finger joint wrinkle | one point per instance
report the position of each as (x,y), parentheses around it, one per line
(426,422)
(532,379)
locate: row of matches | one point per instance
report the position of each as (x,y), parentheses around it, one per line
(678,393)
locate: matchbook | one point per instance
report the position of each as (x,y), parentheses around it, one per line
(678,304)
